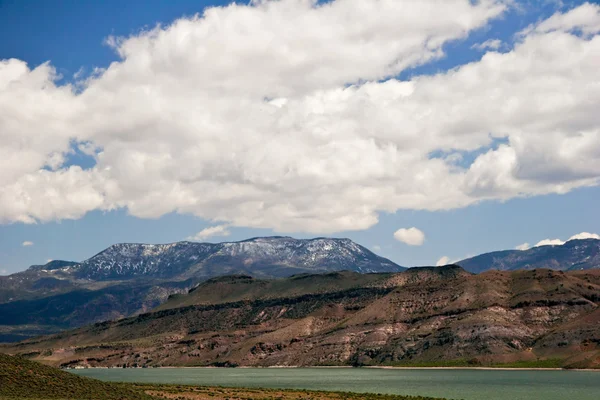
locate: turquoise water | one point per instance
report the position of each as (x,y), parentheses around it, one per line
(452,384)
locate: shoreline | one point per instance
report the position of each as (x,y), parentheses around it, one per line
(347,366)
(478,368)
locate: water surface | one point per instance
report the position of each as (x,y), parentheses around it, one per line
(452,384)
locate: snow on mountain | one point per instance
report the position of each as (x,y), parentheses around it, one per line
(265,256)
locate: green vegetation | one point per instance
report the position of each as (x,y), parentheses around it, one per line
(549,363)
(218,393)
(24,379)
(236,288)
(464,363)
(437,364)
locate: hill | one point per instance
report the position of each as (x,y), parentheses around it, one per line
(24,379)
(580,254)
(423,316)
(127,279)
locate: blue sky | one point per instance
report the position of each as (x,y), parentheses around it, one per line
(71,35)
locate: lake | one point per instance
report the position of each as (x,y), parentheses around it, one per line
(452,384)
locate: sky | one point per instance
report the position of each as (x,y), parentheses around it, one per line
(428,131)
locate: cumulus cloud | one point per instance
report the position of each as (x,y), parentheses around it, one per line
(445,260)
(217,230)
(493,44)
(411,236)
(524,246)
(583,19)
(585,235)
(549,242)
(558,242)
(286,115)
(27,243)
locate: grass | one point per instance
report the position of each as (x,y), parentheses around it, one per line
(458,363)
(549,363)
(223,393)
(436,364)
(24,379)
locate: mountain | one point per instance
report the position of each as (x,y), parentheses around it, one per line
(266,256)
(581,254)
(127,279)
(422,316)
(260,257)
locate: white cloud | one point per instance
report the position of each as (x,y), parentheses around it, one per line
(585,235)
(27,243)
(411,236)
(558,242)
(217,230)
(524,246)
(445,260)
(244,115)
(3,272)
(583,18)
(493,44)
(79,74)
(377,247)
(549,242)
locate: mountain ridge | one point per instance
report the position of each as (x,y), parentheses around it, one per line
(126,279)
(280,254)
(574,254)
(422,315)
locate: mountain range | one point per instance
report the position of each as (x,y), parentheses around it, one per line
(422,316)
(126,279)
(129,279)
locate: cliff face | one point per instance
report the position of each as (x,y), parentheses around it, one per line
(423,315)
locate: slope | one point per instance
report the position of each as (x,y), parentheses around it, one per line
(24,379)
(423,315)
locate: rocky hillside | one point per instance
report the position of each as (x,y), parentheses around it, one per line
(432,316)
(579,254)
